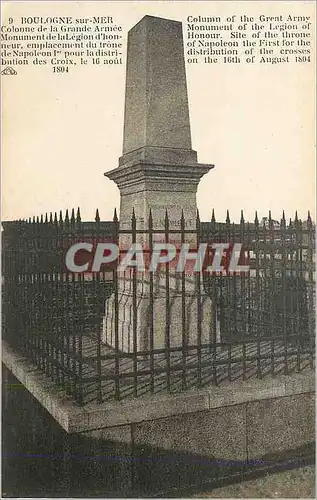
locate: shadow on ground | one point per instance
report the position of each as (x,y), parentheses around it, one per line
(41,460)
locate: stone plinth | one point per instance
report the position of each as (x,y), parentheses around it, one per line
(112,414)
(181,314)
(159,187)
(178,439)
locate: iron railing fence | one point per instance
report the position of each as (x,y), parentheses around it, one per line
(259,322)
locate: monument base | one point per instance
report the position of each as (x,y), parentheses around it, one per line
(190,316)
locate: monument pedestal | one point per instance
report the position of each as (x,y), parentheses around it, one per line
(158,174)
(162,189)
(180,312)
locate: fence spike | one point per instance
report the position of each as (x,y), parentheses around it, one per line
(133,223)
(182,221)
(60,216)
(97,218)
(150,223)
(46,218)
(78,218)
(115,216)
(72,216)
(228,217)
(51,218)
(37,220)
(55,218)
(41,219)
(283,221)
(197,217)
(30,220)
(296,217)
(166,220)
(309,220)
(213,218)
(242,218)
(67,216)
(256,220)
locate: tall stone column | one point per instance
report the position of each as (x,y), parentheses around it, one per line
(157,171)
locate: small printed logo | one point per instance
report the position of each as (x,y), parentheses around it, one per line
(8,71)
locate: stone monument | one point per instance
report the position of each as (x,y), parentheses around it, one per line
(157,171)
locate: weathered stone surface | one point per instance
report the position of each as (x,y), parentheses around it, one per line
(157,173)
(150,155)
(189,449)
(112,448)
(119,434)
(145,311)
(248,390)
(161,188)
(156,103)
(112,414)
(218,433)
(158,169)
(276,425)
(299,383)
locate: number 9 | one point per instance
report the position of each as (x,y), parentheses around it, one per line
(10,20)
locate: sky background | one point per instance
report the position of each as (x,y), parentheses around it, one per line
(60,133)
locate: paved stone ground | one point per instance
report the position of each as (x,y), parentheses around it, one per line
(231,363)
(296,483)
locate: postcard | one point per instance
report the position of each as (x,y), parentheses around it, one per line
(158,248)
